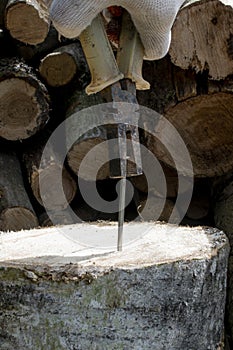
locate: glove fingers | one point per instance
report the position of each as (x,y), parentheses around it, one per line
(153,20)
(156,44)
(71,17)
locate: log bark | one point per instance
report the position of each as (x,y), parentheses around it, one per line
(34,53)
(198,108)
(16,211)
(223,206)
(46,174)
(3,4)
(24,101)
(59,67)
(229,304)
(202,37)
(164,291)
(27,21)
(223,216)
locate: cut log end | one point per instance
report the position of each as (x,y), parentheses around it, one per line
(58,68)
(202,37)
(212,145)
(49,180)
(94,168)
(15,219)
(205,124)
(24,101)
(18,109)
(26,24)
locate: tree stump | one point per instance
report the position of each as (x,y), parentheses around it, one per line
(202,37)
(16,212)
(198,108)
(59,67)
(164,291)
(27,21)
(24,101)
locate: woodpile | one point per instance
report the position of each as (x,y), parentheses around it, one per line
(43,80)
(42,84)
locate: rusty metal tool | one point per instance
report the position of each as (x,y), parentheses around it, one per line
(118,78)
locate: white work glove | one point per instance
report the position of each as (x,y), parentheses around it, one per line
(153,19)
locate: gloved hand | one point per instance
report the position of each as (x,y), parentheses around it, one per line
(153,19)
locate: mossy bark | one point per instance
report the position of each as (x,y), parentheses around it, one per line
(117,301)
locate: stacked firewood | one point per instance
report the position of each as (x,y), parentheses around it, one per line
(42,82)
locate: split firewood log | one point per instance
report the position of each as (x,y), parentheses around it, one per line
(24,101)
(27,21)
(16,211)
(202,37)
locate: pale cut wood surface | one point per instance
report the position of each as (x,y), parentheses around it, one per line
(27,21)
(202,37)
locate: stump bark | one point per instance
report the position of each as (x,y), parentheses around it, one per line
(223,209)
(24,101)
(16,211)
(27,21)
(202,37)
(164,291)
(223,205)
